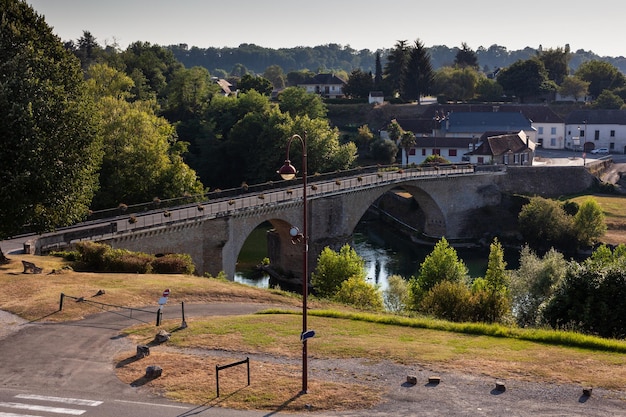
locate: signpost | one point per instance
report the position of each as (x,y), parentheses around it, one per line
(307,335)
(162,302)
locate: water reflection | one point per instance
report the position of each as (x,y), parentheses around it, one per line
(387,252)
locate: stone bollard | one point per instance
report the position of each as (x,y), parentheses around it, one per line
(500,386)
(162,336)
(411,379)
(434,380)
(142,351)
(153,371)
(587,392)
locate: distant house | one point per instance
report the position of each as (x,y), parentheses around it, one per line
(507,149)
(326,85)
(590,129)
(452,149)
(376,97)
(225,86)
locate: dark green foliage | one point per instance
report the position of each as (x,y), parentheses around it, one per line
(260,84)
(50,146)
(359,84)
(590,299)
(100,257)
(571,207)
(333,268)
(544,224)
(356,291)
(449,301)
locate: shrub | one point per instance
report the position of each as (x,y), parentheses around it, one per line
(449,301)
(173,264)
(359,293)
(396,296)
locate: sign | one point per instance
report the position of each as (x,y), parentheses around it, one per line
(307,335)
(166,293)
(162,301)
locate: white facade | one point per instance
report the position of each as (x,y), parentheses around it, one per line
(592,136)
(550,135)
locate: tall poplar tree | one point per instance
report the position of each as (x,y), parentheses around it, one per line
(419,75)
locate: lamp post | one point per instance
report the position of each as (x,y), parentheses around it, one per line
(584,146)
(288,172)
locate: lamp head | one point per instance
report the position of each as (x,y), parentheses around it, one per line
(287,171)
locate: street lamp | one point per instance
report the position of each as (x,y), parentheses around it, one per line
(288,172)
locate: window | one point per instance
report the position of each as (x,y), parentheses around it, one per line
(451,152)
(596,135)
(553,130)
(436,151)
(552,142)
(423,151)
(412,151)
(582,133)
(540,130)
(612,133)
(481,160)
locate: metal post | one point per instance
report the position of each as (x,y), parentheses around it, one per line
(61,301)
(184,323)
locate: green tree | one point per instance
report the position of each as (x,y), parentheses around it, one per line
(407,141)
(357,292)
(574,87)
(364,137)
(384,151)
(488,90)
(396,295)
(333,268)
(496,277)
(359,84)
(608,100)
(544,223)
(556,62)
(50,149)
(589,222)
(600,75)
(188,94)
(378,73)
(396,67)
(250,82)
(466,57)
(533,283)
(297,102)
(419,73)
(456,84)
(442,264)
(525,78)
(275,74)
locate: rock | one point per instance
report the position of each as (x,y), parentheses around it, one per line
(142,351)
(153,371)
(162,336)
(411,379)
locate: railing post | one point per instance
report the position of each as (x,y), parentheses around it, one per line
(61,302)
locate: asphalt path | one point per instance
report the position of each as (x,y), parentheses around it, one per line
(46,366)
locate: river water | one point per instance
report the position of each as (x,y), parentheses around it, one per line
(385,252)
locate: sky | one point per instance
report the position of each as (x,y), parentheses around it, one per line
(596,26)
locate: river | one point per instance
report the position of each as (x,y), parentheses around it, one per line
(385,252)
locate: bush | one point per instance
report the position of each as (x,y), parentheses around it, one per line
(396,296)
(173,264)
(359,293)
(449,301)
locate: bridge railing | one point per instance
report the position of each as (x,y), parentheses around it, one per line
(228,202)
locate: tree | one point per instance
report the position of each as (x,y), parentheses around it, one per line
(297,102)
(533,283)
(589,222)
(456,84)
(407,141)
(396,67)
(442,264)
(574,87)
(601,76)
(396,296)
(87,49)
(488,90)
(556,62)
(419,73)
(275,74)
(378,73)
(525,78)
(384,151)
(359,84)
(250,82)
(544,223)
(333,268)
(496,278)
(466,57)
(50,149)
(608,100)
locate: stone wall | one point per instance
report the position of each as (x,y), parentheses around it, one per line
(548,182)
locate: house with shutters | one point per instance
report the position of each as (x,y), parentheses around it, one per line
(326,85)
(506,149)
(591,129)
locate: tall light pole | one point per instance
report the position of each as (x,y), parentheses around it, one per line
(584,146)
(288,172)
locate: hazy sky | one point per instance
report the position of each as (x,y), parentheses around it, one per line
(596,26)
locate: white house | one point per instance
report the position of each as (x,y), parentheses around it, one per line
(326,85)
(376,97)
(507,149)
(452,149)
(591,129)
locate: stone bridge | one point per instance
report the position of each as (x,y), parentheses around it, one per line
(213,232)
